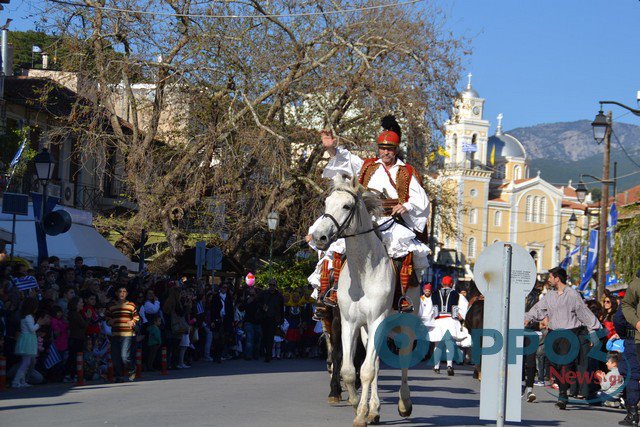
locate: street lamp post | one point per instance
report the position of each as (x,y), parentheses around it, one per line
(44,170)
(602,129)
(273,219)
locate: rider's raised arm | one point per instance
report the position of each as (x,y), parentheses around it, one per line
(344,162)
(341,161)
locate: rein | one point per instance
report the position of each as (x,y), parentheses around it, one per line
(352,212)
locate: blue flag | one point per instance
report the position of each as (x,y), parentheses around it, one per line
(592,259)
(16,158)
(612,221)
(569,258)
(53,357)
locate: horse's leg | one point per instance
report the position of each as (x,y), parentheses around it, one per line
(404,402)
(374,401)
(367,376)
(348,370)
(336,360)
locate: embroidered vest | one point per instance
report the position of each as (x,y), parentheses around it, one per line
(403,177)
(445,306)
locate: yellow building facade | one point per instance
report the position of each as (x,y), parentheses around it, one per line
(498,200)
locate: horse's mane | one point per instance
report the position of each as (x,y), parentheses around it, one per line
(371,199)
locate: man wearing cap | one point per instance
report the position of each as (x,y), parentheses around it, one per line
(404,200)
(451,307)
(426,311)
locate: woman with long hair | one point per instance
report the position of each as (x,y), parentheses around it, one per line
(609,308)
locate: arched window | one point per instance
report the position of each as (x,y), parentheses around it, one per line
(526,172)
(543,210)
(497,219)
(473,216)
(471,252)
(528,213)
(517,172)
(536,206)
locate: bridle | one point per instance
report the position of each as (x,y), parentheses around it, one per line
(352,212)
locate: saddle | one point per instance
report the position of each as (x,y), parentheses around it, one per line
(403,268)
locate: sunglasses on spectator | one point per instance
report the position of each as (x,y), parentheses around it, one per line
(607,301)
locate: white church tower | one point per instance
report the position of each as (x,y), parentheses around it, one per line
(467,132)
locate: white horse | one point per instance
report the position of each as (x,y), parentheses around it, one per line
(365,291)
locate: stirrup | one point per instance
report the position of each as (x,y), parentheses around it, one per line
(406,309)
(327,301)
(320,314)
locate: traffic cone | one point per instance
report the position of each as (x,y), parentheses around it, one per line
(3,373)
(110,376)
(80,368)
(164,361)
(138,363)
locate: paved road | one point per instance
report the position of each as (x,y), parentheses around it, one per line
(282,393)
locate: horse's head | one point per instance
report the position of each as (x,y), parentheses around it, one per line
(348,209)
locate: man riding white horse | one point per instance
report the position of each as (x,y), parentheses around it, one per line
(405,204)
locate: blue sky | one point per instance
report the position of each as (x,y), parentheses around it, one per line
(534,61)
(547,61)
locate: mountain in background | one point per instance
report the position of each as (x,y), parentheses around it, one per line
(562,151)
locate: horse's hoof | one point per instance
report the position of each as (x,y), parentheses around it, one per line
(373,419)
(406,413)
(359,423)
(332,400)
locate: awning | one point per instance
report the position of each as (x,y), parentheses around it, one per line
(5,235)
(81,240)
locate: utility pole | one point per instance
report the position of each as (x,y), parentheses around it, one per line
(604,212)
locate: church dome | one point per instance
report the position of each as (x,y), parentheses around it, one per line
(506,146)
(469,92)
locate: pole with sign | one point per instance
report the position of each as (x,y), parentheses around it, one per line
(201,257)
(505,274)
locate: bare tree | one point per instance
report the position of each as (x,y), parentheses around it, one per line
(255,89)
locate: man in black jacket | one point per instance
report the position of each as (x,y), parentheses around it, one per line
(271,310)
(532,328)
(222,315)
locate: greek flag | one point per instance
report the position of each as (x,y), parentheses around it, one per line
(592,259)
(199,307)
(25,283)
(16,158)
(469,148)
(53,357)
(36,49)
(568,260)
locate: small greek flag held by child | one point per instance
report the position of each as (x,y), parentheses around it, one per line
(53,357)
(25,283)
(199,307)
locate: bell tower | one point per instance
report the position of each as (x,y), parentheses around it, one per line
(466,133)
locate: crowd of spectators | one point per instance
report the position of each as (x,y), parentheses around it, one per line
(49,313)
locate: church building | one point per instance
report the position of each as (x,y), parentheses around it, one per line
(498,198)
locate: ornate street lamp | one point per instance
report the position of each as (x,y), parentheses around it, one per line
(573,222)
(44,166)
(44,170)
(273,219)
(581,191)
(600,127)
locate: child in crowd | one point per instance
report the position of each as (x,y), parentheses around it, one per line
(278,339)
(60,329)
(611,383)
(154,339)
(27,343)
